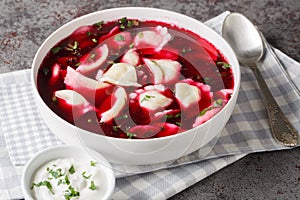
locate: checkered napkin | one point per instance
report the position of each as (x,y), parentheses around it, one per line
(247,130)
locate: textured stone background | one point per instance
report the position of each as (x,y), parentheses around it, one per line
(25,24)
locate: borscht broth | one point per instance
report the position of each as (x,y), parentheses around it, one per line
(135,79)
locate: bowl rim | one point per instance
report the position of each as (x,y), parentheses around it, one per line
(111,180)
(237,72)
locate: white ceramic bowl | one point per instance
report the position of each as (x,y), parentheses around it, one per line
(138,151)
(67,151)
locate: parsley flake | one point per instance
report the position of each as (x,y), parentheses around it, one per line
(43,183)
(224,65)
(141,34)
(92,186)
(72,170)
(55,49)
(93,163)
(122,20)
(119,37)
(46,71)
(116,128)
(67,181)
(131,45)
(99,24)
(85,176)
(146,98)
(218,103)
(122,26)
(71,193)
(88,33)
(130,135)
(55,173)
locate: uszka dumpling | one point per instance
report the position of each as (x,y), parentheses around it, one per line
(156,38)
(164,70)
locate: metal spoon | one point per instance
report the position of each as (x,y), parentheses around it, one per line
(247,44)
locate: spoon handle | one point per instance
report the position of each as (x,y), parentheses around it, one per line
(278,62)
(282,130)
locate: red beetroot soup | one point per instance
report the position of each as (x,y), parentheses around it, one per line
(135,79)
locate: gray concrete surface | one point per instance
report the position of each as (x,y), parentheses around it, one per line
(24,24)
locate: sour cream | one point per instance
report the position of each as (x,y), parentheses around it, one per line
(69,179)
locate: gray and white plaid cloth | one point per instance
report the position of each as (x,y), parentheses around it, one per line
(24,133)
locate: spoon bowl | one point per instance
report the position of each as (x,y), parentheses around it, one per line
(247,44)
(245,41)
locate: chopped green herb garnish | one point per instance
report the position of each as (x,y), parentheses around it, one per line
(122,20)
(168,116)
(72,46)
(59,182)
(131,45)
(84,176)
(99,24)
(141,34)
(67,181)
(178,115)
(55,49)
(178,123)
(72,170)
(218,103)
(204,111)
(92,186)
(122,26)
(75,46)
(125,23)
(55,173)
(93,163)
(43,183)
(71,193)
(92,56)
(224,65)
(119,37)
(130,135)
(129,24)
(116,128)
(77,64)
(64,181)
(111,62)
(46,71)
(88,33)
(146,98)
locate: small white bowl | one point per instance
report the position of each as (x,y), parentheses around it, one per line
(67,151)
